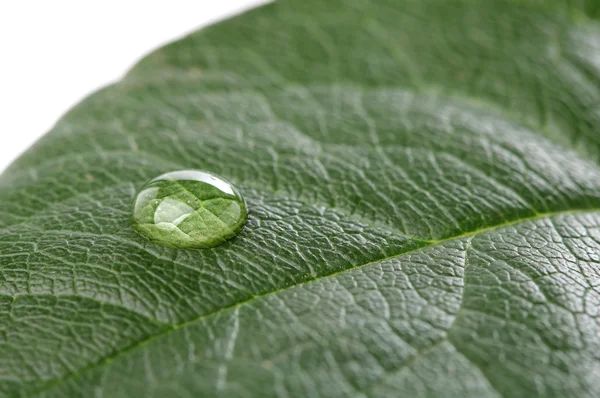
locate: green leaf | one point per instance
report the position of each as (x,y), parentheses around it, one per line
(423,189)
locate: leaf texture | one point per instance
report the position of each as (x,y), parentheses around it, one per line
(424,191)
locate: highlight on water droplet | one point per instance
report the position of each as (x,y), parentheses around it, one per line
(189,209)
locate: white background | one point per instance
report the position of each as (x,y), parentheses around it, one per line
(55,53)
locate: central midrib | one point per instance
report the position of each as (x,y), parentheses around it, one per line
(104,361)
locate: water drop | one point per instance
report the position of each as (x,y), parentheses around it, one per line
(189,209)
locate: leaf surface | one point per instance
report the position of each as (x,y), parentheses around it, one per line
(424,191)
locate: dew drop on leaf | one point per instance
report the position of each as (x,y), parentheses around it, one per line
(189,209)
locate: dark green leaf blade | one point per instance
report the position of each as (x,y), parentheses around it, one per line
(423,185)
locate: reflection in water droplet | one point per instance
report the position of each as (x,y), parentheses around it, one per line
(189,209)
